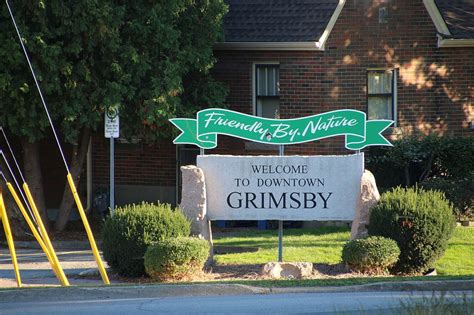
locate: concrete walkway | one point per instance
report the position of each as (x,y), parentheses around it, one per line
(35,269)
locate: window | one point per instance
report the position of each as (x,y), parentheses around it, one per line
(381,94)
(267,90)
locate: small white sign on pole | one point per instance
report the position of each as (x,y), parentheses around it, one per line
(288,188)
(112,124)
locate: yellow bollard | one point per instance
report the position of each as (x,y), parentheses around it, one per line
(44,235)
(8,234)
(56,267)
(95,251)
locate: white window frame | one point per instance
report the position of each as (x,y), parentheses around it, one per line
(254,81)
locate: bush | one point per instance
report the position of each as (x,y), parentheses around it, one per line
(415,158)
(127,234)
(421,222)
(455,157)
(373,255)
(176,259)
(459,191)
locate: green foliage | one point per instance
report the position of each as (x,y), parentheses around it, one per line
(374,254)
(421,222)
(127,234)
(455,157)
(459,191)
(176,259)
(415,158)
(150,58)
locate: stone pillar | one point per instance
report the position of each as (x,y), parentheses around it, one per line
(369,196)
(193,202)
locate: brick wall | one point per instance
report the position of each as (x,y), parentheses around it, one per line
(135,164)
(435,89)
(435,86)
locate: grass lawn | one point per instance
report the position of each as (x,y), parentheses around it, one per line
(324,245)
(459,257)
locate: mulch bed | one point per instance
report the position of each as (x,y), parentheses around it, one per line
(252,272)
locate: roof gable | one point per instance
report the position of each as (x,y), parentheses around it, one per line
(458,16)
(277,20)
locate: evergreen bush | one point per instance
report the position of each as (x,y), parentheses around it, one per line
(128,233)
(374,254)
(176,259)
(421,222)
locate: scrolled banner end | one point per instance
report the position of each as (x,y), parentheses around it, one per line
(189,135)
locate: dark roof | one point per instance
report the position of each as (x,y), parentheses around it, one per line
(277,20)
(459,17)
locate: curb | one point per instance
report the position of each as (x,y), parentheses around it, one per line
(58,294)
(435,285)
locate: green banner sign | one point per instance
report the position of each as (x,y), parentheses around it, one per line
(359,131)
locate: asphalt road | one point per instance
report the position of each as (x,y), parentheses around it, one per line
(296,303)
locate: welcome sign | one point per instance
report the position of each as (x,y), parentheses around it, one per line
(353,124)
(281,187)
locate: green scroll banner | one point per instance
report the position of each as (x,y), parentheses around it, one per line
(203,130)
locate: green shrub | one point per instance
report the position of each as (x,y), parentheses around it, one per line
(373,255)
(421,222)
(127,234)
(414,158)
(459,191)
(176,259)
(455,157)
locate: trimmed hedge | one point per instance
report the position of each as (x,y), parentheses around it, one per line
(374,254)
(128,233)
(421,222)
(176,259)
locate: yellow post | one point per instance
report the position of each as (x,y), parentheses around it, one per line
(8,234)
(44,234)
(56,267)
(95,251)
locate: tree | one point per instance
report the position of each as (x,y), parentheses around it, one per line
(149,58)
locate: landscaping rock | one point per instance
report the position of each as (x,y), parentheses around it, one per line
(89,273)
(193,200)
(288,270)
(369,196)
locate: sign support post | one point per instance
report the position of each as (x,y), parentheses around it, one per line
(112,130)
(112,175)
(281,151)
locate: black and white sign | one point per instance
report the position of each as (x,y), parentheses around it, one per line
(112,124)
(282,187)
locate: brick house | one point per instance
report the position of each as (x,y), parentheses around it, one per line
(410,61)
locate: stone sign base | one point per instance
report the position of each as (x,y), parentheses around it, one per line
(369,196)
(193,203)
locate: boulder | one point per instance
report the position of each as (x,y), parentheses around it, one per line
(193,201)
(369,196)
(287,270)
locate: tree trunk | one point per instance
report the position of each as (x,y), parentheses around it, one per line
(79,153)
(34,177)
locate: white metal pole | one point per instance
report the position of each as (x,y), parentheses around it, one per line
(112,175)
(280,223)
